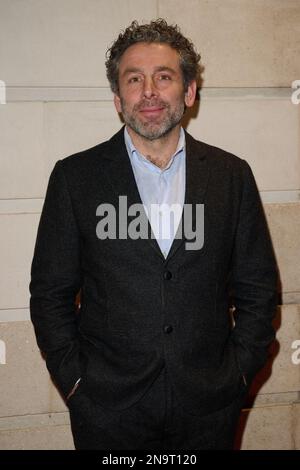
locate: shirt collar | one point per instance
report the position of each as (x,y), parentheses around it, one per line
(131,149)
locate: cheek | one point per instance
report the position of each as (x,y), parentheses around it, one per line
(175,96)
(129,99)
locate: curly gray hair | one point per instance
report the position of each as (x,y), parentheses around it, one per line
(156,31)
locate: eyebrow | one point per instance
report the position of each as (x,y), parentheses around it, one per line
(159,68)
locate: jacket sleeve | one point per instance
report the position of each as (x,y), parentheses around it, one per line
(55,281)
(254,281)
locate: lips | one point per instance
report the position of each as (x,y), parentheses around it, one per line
(148,107)
(151,110)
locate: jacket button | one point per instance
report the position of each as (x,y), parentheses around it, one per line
(167,275)
(168,329)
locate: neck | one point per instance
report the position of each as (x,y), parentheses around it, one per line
(158,151)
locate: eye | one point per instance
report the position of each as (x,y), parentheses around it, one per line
(135,79)
(164,76)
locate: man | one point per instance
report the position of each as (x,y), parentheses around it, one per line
(152,360)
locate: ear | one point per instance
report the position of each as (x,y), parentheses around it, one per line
(190,94)
(117,102)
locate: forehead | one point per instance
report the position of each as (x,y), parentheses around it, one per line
(149,56)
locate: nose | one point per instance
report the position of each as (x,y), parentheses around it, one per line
(150,89)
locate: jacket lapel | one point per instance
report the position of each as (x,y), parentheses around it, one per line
(119,173)
(197,176)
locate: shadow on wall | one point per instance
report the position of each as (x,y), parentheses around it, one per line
(261,378)
(265,373)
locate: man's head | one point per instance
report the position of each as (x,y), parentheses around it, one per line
(157,31)
(153,72)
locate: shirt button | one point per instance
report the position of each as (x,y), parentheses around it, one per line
(168,329)
(167,275)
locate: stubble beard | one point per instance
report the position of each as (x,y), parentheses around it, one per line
(153,129)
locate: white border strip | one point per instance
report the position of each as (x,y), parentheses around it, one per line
(14,314)
(60,93)
(247,93)
(21,206)
(280,197)
(46,94)
(34,206)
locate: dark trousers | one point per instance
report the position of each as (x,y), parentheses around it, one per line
(156,422)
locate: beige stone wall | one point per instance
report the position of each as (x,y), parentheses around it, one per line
(58,102)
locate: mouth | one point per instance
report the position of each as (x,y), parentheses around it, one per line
(151,111)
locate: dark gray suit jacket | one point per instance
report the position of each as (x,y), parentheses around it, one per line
(139,311)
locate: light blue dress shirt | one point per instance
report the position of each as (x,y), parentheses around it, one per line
(162,191)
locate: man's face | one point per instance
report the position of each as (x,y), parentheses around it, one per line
(151,92)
